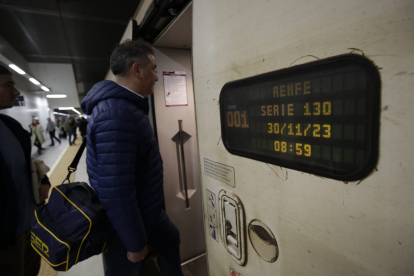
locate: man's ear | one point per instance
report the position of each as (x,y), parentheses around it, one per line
(137,70)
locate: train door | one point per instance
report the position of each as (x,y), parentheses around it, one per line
(264,214)
(174,116)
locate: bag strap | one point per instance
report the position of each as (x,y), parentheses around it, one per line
(72,167)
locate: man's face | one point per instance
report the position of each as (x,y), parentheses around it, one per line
(8,93)
(150,76)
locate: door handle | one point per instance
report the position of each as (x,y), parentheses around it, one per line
(232,221)
(187,202)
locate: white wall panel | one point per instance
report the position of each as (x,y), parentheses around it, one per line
(60,78)
(36,106)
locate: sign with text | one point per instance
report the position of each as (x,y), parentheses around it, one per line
(321,117)
(221,172)
(175,88)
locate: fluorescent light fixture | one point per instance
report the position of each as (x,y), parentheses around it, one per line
(69,108)
(17,69)
(34,81)
(76,111)
(55,96)
(57,113)
(44,88)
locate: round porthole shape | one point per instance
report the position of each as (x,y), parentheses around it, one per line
(263,241)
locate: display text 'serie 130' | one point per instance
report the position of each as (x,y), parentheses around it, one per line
(321,117)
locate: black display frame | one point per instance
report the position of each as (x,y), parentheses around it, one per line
(374,117)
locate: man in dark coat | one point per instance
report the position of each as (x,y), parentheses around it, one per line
(17,204)
(125,166)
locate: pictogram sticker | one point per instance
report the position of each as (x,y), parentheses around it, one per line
(213,231)
(211,199)
(212,215)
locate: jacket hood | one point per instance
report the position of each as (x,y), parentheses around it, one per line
(105,90)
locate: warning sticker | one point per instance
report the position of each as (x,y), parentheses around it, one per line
(220,172)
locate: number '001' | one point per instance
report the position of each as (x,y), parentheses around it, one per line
(237,119)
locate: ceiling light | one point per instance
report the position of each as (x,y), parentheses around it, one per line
(17,69)
(55,96)
(66,108)
(44,88)
(76,111)
(34,81)
(57,113)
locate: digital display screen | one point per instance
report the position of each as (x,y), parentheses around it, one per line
(321,117)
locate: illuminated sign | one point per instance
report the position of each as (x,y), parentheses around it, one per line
(321,117)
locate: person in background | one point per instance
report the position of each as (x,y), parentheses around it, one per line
(17,203)
(51,128)
(70,128)
(125,166)
(62,133)
(36,130)
(83,123)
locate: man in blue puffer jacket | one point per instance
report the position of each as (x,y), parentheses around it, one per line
(124,163)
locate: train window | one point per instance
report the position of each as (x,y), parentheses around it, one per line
(321,117)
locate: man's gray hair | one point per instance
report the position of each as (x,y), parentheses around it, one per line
(127,53)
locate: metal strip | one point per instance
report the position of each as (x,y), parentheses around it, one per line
(187,202)
(193,259)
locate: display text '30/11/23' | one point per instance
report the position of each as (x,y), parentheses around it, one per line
(321,117)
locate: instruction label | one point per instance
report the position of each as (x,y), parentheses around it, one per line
(175,88)
(220,172)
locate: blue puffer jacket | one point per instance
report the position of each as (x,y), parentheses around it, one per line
(119,137)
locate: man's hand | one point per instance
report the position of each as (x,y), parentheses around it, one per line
(43,192)
(138,256)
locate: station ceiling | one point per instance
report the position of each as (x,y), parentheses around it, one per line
(80,32)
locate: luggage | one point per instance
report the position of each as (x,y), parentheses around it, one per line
(39,170)
(72,226)
(62,134)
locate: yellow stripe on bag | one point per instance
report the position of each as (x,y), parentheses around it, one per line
(67,261)
(41,255)
(90,222)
